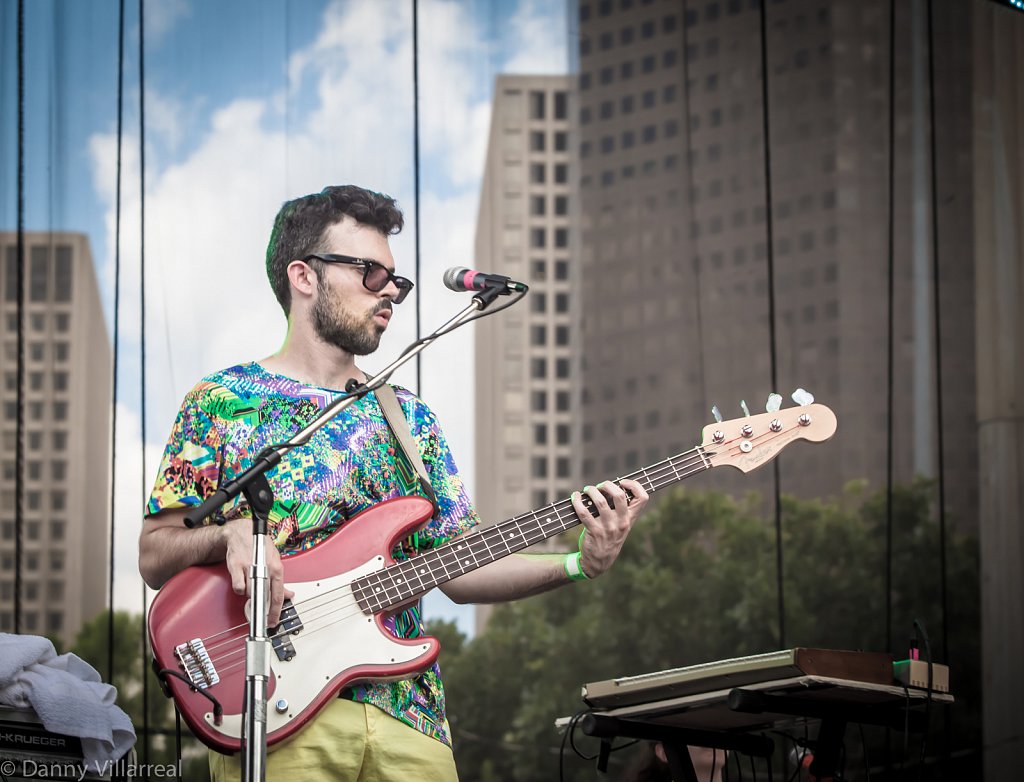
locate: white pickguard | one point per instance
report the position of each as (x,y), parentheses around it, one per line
(348,638)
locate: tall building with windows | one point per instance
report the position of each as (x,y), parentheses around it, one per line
(525,357)
(66,408)
(678,300)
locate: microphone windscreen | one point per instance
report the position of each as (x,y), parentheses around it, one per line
(451,278)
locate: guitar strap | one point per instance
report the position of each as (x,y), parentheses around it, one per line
(399,425)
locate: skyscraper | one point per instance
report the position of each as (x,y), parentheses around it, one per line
(524,358)
(65,474)
(680,306)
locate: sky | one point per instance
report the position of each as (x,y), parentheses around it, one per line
(249,103)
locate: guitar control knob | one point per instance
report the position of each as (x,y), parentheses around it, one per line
(747,430)
(281,705)
(718,436)
(804,420)
(775,425)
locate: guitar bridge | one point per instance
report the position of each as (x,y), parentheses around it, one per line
(197,663)
(290,624)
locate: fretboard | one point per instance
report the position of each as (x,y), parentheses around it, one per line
(405,581)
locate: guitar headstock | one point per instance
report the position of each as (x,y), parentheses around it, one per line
(747,443)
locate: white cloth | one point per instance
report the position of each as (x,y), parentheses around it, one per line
(66,694)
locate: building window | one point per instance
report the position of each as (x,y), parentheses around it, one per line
(561,173)
(536,140)
(539,269)
(562,467)
(537,173)
(540,434)
(561,335)
(538,237)
(562,401)
(38,272)
(536,104)
(649,63)
(62,274)
(11,274)
(539,401)
(561,205)
(561,270)
(561,105)
(538,302)
(561,237)
(539,466)
(561,141)
(606,75)
(538,205)
(538,335)
(648,98)
(561,302)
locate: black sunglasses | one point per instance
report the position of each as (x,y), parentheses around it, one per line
(376,276)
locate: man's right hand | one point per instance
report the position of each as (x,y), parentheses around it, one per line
(238,558)
(167,546)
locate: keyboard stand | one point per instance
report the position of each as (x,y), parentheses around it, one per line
(724,719)
(676,741)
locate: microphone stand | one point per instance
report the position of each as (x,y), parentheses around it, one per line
(253,484)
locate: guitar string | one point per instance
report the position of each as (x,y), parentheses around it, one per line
(535,536)
(661,470)
(694,458)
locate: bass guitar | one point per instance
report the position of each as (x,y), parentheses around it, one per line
(331,632)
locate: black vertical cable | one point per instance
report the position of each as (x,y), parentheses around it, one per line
(937,313)
(416,171)
(770,260)
(142,351)
(891,358)
(117,308)
(19,451)
(938,334)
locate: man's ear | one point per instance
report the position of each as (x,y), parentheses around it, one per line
(302,278)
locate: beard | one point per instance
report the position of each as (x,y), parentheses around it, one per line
(337,326)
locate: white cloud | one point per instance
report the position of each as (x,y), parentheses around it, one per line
(209,210)
(162,17)
(538,39)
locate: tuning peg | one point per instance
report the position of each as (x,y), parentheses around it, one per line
(743,406)
(716,413)
(774,403)
(802,397)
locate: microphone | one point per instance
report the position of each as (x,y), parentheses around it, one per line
(459,278)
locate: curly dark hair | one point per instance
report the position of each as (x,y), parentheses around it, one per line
(301,223)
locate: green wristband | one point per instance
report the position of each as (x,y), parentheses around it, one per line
(574,568)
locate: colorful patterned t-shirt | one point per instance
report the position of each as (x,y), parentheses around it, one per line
(353,462)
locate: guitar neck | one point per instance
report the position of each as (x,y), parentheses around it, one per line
(408,580)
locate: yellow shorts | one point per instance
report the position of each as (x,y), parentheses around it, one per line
(350,742)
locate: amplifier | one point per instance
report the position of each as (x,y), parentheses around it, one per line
(28,751)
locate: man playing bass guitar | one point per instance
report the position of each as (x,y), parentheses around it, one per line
(332,270)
